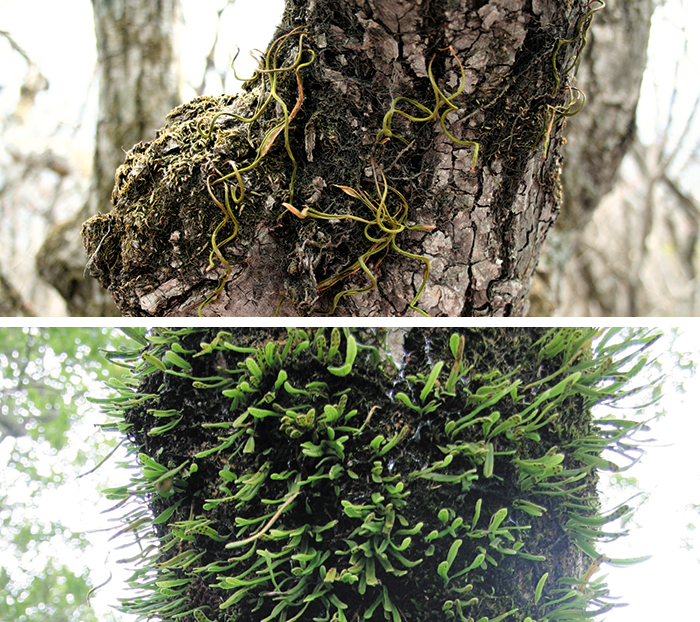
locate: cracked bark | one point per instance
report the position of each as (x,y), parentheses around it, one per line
(489,222)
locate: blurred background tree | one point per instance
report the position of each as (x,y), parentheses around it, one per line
(71,105)
(626,243)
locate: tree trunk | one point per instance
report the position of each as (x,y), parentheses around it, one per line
(11,303)
(611,72)
(395,96)
(139,75)
(405,475)
(140,79)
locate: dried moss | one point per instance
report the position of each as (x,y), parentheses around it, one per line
(163,217)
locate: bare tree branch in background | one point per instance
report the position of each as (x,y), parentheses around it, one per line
(40,188)
(210,61)
(34,82)
(12,303)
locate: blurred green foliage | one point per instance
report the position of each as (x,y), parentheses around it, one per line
(45,376)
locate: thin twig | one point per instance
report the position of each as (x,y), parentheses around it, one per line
(269,524)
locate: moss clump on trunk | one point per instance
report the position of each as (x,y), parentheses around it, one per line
(178,198)
(307,475)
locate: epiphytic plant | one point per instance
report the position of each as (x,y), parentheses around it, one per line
(431,115)
(385,226)
(279,475)
(383,229)
(576,97)
(233,185)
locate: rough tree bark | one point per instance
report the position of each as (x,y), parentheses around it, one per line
(480,227)
(139,77)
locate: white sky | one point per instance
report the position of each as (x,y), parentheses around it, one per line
(673,37)
(664,587)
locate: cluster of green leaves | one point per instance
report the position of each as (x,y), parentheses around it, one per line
(323,504)
(324,437)
(501,415)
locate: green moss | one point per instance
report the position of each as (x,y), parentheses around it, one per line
(303,475)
